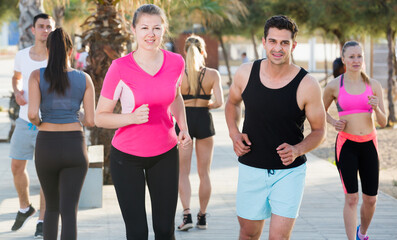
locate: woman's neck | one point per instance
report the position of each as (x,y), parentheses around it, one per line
(353,76)
(144,55)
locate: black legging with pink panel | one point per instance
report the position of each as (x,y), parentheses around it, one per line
(61,165)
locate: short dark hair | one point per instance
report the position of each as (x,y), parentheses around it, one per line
(281,22)
(40,15)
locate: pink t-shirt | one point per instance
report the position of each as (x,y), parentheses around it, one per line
(127,81)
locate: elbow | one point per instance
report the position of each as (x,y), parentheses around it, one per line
(89,123)
(32,116)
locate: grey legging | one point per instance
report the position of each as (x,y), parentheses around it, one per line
(61,165)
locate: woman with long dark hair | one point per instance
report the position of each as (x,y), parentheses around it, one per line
(360,102)
(60,155)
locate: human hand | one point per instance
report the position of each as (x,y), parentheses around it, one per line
(184,139)
(373,101)
(288,153)
(340,125)
(241,144)
(141,114)
(19,98)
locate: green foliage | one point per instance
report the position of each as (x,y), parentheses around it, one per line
(9,10)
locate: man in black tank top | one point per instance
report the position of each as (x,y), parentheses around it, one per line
(278,97)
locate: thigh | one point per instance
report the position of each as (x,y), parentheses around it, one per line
(23,141)
(280,227)
(287,191)
(204,151)
(368,168)
(129,181)
(252,202)
(47,167)
(347,165)
(205,125)
(162,180)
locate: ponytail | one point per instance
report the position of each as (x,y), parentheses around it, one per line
(195,54)
(59,45)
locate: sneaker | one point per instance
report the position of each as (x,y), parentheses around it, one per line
(187,223)
(357,237)
(21,218)
(39,231)
(201,221)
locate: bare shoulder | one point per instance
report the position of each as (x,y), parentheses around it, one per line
(243,73)
(375,83)
(212,72)
(333,84)
(309,83)
(35,75)
(88,79)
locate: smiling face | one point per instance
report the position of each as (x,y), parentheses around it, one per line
(353,58)
(149,31)
(42,28)
(279,46)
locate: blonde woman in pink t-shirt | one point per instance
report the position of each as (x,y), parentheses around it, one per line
(144,148)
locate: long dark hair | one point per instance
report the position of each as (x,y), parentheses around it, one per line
(59,45)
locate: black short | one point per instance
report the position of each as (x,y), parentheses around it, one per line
(199,121)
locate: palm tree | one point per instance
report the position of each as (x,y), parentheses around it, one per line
(28,9)
(217,17)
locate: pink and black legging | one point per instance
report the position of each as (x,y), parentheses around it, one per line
(358,153)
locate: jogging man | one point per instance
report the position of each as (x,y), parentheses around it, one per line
(23,139)
(278,97)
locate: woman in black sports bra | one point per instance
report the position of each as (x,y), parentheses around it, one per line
(198,83)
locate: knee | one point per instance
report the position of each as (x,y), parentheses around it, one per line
(352,200)
(203,173)
(17,167)
(370,201)
(246,234)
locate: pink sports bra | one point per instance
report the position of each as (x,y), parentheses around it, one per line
(349,103)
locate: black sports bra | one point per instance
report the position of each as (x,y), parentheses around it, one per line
(198,96)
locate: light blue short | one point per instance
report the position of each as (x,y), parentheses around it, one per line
(23,140)
(261,193)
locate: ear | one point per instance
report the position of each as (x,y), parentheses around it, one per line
(294,43)
(263,41)
(33,30)
(133,30)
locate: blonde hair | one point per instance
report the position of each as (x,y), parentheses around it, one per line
(353,44)
(195,60)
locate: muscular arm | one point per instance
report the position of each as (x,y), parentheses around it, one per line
(34,98)
(315,114)
(233,110)
(16,78)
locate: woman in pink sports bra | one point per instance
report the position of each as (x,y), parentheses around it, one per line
(358,99)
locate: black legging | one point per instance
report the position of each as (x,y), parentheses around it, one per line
(129,174)
(61,165)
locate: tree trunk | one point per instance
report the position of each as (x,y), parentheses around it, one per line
(253,38)
(325,61)
(58,13)
(225,56)
(107,33)
(28,9)
(391,84)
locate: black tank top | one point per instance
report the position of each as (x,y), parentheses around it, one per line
(272,117)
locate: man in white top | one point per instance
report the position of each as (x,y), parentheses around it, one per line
(82,61)
(23,139)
